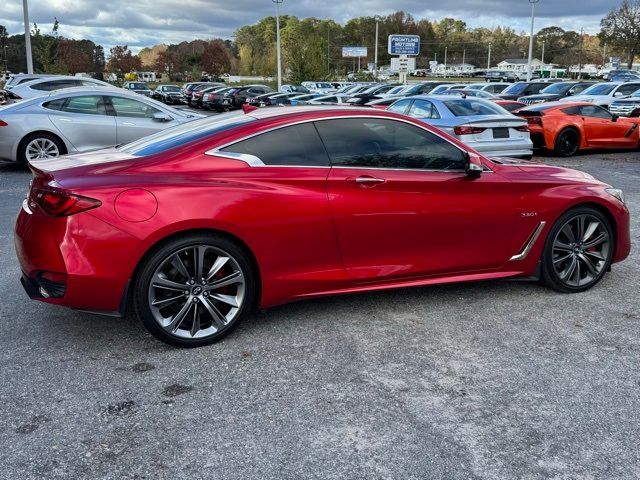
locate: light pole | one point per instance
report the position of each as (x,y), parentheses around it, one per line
(533,19)
(277,2)
(27,36)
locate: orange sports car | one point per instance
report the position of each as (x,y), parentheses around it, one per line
(566,128)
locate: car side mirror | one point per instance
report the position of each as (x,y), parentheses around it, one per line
(473,169)
(614,118)
(161,117)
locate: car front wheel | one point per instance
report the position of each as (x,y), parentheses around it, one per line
(194,291)
(578,251)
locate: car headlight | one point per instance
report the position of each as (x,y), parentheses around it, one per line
(616,192)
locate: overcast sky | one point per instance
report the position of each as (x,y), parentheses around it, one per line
(141,23)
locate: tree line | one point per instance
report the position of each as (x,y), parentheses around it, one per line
(312,48)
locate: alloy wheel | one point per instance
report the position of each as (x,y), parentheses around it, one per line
(196,292)
(39,148)
(568,143)
(580,250)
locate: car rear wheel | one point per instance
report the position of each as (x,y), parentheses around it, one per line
(578,251)
(39,146)
(195,290)
(567,143)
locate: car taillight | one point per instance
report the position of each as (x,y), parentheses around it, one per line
(59,203)
(524,128)
(534,121)
(3,123)
(468,130)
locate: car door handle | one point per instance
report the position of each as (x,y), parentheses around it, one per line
(129,124)
(366,181)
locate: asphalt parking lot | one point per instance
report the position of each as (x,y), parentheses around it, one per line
(497,380)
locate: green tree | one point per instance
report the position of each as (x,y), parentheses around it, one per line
(620,29)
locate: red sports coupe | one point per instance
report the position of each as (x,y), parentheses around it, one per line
(198,224)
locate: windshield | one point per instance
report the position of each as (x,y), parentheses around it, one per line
(324,85)
(138,86)
(515,89)
(558,88)
(171,88)
(471,106)
(183,134)
(600,89)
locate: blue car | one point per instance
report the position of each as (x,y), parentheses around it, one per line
(480,124)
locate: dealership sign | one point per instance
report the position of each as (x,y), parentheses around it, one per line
(354,52)
(404,45)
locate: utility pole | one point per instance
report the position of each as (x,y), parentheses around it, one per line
(375,61)
(277,2)
(27,36)
(489,58)
(445,61)
(533,20)
(328,47)
(464,56)
(580,54)
(543,45)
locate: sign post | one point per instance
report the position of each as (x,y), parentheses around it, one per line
(404,46)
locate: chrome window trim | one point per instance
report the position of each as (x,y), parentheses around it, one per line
(254,161)
(526,249)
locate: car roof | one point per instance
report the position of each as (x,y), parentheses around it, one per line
(285,111)
(553,105)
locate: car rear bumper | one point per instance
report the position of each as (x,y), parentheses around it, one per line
(522,148)
(63,264)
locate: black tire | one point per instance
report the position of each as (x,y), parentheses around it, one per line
(22,147)
(567,143)
(158,257)
(550,276)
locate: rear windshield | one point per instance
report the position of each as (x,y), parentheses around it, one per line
(558,88)
(183,134)
(515,89)
(600,89)
(471,106)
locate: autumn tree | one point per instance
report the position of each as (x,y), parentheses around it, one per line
(216,59)
(122,60)
(166,62)
(620,29)
(72,58)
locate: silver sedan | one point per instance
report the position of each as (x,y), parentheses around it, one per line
(81,119)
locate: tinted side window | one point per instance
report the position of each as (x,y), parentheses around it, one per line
(125,107)
(399,107)
(90,105)
(535,88)
(378,143)
(55,85)
(293,145)
(423,109)
(595,112)
(627,89)
(55,104)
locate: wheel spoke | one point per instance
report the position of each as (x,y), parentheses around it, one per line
(199,262)
(580,227)
(195,325)
(597,255)
(228,299)
(235,277)
(593,226)
(217,265)
(178,264)
(568,233)
(177,320)
(558,245)
(216,316)
(167,301)
(568,273)
(578,272)
(163,282)
(600,239)
(561,259)
(587,263)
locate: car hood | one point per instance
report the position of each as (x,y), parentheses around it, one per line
(545,170)
(542,96)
